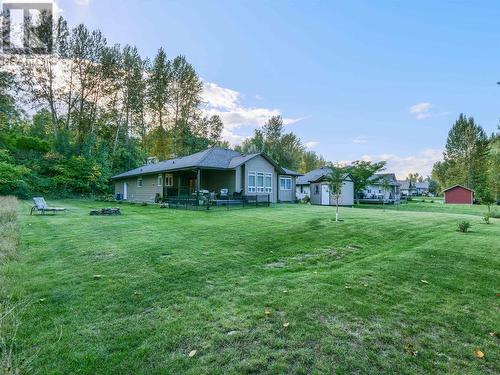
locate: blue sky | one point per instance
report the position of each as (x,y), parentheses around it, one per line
(354,79)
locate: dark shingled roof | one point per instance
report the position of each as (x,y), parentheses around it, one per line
(291,173)
(377,177)
(314,175)
(212,158)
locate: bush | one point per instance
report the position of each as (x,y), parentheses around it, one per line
(464,226)
(486,217)
(432,200)
(144,203)
(306,199)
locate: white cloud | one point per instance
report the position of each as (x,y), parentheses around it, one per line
(402,165)
(360,139)
(228,105)
(421,110)
(311,144)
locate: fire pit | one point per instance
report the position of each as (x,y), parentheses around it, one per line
(106,211)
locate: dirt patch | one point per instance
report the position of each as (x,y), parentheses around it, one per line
(279,264)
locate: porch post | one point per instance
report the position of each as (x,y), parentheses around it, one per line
(179,185)
(198,176)
(164,197)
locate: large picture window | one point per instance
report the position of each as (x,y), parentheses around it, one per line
(260,182)
(268,182)
(169,180)
(285,183)
(251,182)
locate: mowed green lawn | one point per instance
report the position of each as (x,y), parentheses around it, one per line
(262,290)
(437,205)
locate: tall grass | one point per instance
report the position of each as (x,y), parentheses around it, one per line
(9,230)
(10,362)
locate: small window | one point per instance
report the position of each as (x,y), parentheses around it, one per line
(169,180)
(285,183)
(139,182)
(251,182)
(316,189)
(268,182)
(160,180)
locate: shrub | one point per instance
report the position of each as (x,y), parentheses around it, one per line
(432,200)
(463,226)
(144,203)
(306,199)
(486,217)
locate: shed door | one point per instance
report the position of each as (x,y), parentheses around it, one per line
(125,192)
(325,195)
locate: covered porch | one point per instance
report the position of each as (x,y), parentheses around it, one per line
(199,182)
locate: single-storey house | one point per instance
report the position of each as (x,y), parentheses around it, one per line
(375,193)
(213,170)
(314,185)
(458,194)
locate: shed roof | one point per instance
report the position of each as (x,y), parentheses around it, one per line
(458,186)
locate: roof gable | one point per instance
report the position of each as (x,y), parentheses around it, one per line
(458,186)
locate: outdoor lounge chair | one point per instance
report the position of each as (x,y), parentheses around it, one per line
(41,206)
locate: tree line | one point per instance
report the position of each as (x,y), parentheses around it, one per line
(81,110)
(472,159)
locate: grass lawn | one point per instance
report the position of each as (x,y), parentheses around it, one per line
(262,290)
(438,206)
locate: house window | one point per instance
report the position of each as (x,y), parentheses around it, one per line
(260,182)
(285,183)
(316,189)
(268,182)
(139,182)
(169,180)
(251,182)
(160,180)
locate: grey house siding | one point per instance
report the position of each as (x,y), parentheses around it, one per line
(346,197)
(146,193)
(286,195)
(260,164)
(238,186)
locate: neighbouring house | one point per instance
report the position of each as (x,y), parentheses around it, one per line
(375,193)
(314,185)
(458,194)
(422,188)
(215,170)
(407,188)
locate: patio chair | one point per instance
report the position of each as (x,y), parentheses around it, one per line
(41,206)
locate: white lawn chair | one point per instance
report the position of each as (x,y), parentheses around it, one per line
(41,206)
